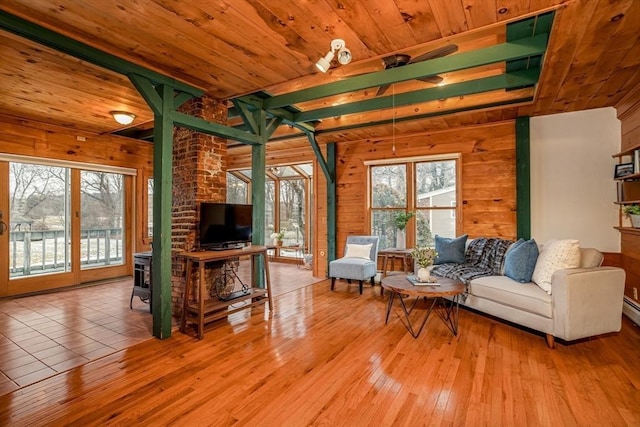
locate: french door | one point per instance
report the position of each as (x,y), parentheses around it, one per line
(62,225)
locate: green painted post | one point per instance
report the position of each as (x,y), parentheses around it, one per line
(258,176)
(162,195)
(523,178)
(331,201)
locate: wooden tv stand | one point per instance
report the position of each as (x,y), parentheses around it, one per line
(202,312)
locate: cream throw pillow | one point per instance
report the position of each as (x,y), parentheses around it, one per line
(555,255)
(358,251)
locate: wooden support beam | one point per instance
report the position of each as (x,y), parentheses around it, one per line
(258,192)
(522,48)
(515,80)
(162,197)
(523,178)
(331,203)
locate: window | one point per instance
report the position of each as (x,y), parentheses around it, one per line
(425,186)
(287,197)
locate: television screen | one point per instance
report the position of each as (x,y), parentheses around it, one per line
(223,224)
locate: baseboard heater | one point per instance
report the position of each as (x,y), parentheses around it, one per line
(631,309)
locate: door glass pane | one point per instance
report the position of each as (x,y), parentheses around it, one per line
(101,222)
(292,213)
(237,190)
(40,228)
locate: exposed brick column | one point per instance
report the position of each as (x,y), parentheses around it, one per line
(199,166)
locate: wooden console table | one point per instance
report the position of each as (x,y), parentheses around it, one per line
(202,311)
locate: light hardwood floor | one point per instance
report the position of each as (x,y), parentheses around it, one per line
(327,358)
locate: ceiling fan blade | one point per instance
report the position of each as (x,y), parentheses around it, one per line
(431,79)
(436,53)
(382,89)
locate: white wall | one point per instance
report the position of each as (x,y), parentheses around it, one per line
(572,187)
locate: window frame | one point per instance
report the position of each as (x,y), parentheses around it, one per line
(411,196)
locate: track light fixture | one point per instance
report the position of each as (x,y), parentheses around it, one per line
(344,55)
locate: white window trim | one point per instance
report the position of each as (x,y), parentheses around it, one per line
(67,164)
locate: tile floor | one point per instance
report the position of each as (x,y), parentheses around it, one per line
(45,334)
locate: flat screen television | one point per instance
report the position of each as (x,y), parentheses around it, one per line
(224,225)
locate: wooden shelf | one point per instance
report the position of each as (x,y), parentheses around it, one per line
(215,309)
(628,202)
(629,177)
(628,230)
(628,151)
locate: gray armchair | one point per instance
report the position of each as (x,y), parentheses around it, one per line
(359,261)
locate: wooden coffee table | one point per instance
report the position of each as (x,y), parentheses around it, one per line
(447,309)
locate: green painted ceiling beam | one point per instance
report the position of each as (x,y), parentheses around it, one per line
(514,80)
(148,91)
(87,53)
(246,115)
(210,128)
(522,48)
(253,103)
(330,176)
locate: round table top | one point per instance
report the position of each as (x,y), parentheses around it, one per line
(444,287)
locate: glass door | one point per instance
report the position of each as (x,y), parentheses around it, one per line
(64,226)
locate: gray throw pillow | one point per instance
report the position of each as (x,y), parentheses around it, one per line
(520,260)
(450,250)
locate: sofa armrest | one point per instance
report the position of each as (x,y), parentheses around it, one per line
(587,301)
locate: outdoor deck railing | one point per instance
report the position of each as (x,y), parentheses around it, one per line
(36,252)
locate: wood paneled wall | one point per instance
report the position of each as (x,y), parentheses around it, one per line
(34,139)
(487,171)
(628,111)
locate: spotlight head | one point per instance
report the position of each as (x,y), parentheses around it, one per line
(324,63)
(344,56)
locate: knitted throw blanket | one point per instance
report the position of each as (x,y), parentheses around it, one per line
(483,257)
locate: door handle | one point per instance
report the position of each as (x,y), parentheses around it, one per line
(3,225)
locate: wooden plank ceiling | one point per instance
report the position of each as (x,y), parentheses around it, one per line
(233,48)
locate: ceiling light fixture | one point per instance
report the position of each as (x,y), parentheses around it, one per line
(122,117)
(344,55)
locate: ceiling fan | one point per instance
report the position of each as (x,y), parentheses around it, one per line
(402,59)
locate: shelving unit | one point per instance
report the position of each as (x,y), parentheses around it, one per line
(630,183)
(202,311)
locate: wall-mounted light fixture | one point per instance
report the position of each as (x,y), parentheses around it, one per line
(123,117)
(344,55)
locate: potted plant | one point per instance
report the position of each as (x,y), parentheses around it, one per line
(401,219)
(424,257)
(633,212)
(277,238)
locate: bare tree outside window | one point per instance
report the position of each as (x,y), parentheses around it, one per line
(434,201)
(39,219)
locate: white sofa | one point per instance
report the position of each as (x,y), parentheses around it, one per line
(584,302)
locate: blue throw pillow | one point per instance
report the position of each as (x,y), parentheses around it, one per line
(520,260)
(450,250)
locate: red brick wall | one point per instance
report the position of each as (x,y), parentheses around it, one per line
(199,175)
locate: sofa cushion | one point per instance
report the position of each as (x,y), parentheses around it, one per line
(590,258)
(523,296)
(450,250)
(555,255)
(520,260)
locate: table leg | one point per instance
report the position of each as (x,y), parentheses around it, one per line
(185,302)
(389,305)
(201,289)
(407,313)
(449,313)
(267,280)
